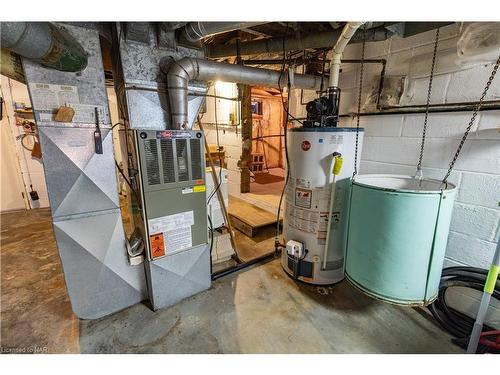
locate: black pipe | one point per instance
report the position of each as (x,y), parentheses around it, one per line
(227,271)
(435,108)
(302,60)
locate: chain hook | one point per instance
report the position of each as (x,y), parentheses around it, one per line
(355,172)
(418,173)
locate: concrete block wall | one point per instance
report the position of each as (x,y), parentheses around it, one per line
(392,142)
(230,138)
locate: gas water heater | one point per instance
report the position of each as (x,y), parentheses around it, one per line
(321,164)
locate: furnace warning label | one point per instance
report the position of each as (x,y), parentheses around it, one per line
(178,239)
(157,245)
(173,231)
(171,222)
(303,197)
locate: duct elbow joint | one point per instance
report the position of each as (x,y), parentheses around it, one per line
(178,74)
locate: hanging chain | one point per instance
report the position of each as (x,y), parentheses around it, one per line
(359,102)
(429,91)
(472,120)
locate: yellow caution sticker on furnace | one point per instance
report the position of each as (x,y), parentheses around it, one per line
(199,188)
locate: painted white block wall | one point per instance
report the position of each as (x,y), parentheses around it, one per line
(231,140)
(31,168)
(392,142)
(12,195)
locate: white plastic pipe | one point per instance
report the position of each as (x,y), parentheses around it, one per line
(347,33)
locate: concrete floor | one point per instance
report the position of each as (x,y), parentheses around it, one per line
(257,311)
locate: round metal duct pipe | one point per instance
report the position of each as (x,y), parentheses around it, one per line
(45,43)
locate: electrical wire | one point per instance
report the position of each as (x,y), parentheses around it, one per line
(286,109)
(453,321)
(23,136)
(218,153)
(137,197)
(211,228)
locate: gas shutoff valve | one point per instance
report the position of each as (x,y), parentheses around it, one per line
(295,249)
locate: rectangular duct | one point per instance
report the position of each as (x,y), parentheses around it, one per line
(82,186)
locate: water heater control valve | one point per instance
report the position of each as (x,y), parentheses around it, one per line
(324,111)
(295,249)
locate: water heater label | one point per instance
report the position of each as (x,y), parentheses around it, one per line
(304,220)
(336,139)
(303,197)
(302,183)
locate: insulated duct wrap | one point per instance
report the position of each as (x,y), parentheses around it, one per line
(44,43)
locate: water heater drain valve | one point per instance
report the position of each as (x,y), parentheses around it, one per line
(295,249)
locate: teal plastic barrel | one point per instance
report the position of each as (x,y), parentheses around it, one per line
(397,235)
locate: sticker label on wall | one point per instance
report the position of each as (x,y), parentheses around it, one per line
(51,97)
(157,245)
(303,197)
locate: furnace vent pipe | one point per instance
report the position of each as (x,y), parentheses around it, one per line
(195,31)
(45,43)
(179,73)
(345,37)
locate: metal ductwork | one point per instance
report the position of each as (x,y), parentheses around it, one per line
(179,73)
(293,43)
(195,31)
(44,43)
